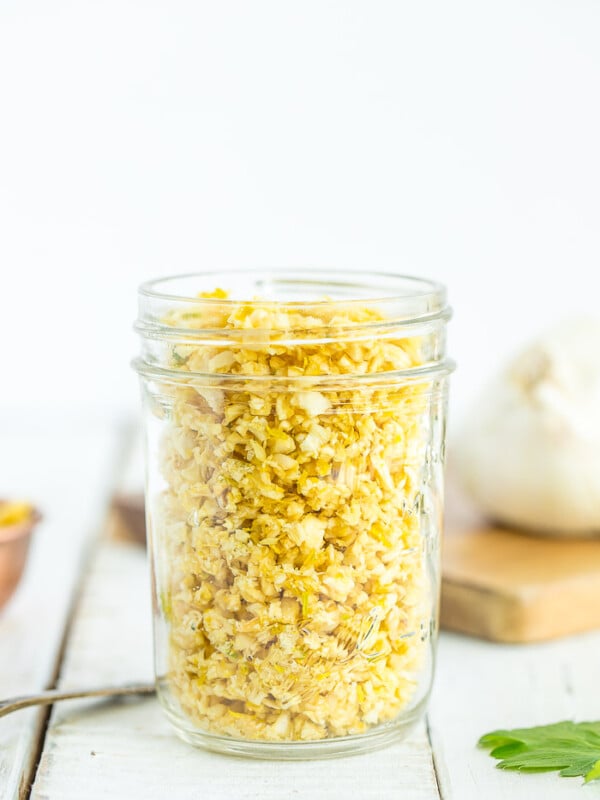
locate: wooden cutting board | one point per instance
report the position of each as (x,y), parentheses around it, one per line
(509,586)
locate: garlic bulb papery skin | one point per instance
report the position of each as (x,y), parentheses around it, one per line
(529,453)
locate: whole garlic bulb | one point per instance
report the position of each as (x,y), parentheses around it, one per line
(529,455)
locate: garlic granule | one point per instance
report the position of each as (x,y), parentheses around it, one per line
(290,555)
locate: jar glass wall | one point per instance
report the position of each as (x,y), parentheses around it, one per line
(295,428)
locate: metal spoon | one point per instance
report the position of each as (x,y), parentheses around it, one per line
(54,695)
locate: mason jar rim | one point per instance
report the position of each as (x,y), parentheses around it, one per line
(376,380)
(430,294)
(410,304)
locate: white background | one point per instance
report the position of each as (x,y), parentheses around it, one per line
(456,140)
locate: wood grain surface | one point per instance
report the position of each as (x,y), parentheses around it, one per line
(512,586)
(65,470)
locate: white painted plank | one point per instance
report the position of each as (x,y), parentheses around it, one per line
(482,686)
(127,750)
(66,471)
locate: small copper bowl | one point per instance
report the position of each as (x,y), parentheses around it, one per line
(14,545)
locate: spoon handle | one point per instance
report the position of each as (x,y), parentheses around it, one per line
(54,695)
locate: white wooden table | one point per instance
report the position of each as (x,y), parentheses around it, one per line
(81,617)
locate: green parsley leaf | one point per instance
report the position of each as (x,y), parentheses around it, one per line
(572,748)
(594,773)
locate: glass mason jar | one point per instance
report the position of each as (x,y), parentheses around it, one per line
(295,425)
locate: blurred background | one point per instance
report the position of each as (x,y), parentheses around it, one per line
(458,141)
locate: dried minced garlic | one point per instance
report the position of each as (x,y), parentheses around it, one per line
(13,513)
(291,560)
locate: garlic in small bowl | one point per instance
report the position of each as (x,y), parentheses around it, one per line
(17,521)
(529,452)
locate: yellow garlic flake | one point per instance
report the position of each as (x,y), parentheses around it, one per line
(290,550)
(13,513)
